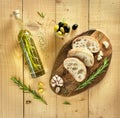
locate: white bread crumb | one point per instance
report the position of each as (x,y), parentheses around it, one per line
(106,44)
(99,58)
(100,55)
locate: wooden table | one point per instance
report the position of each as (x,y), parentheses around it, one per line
(100,101)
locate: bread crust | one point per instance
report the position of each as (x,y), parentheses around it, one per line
(76,68)
(86,42)
(83,54)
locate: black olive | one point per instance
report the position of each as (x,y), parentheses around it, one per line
(67,29)
(58,29)
(75,26)
(60,24)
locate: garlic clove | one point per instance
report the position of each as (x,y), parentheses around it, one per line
(59,78)
(60,84)
(54,78)
(53,81)
(61,81)
(57,89)
(53,84)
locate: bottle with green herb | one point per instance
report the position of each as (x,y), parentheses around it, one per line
(29,49)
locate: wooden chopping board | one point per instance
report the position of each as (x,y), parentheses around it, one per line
(70,85)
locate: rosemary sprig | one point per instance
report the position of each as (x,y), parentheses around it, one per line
(66,103)
(95,74)
(28,89)
(42,15)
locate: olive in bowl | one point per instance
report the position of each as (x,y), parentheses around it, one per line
(61,29)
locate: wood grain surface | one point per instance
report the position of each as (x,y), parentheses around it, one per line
(100,101)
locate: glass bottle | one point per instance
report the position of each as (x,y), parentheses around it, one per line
(29,49)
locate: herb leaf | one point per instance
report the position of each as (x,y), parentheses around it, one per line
(94,75)
(42,15)
(28,89)
(66,103)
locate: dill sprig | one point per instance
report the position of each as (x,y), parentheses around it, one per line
(95,74)
(66,103)
(28,89)
(42,15)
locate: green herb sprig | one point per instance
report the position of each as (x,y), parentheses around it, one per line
(95,74)
(28,89)
(42,15)
(66,103)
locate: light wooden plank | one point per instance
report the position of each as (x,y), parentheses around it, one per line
(37,109)
(11,98)
(104,99)
(74,12)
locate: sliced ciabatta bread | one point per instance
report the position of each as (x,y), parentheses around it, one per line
(87,42)
(76,68)
(83,54)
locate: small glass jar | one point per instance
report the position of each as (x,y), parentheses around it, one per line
(61,29)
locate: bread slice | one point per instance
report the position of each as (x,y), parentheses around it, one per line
(83,54)
(86,42)
(76,68)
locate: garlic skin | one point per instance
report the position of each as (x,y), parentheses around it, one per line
(16,13)
(106,44)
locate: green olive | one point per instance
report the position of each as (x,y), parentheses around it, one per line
(56,27)
(59,33)
(62,30)
(65,24)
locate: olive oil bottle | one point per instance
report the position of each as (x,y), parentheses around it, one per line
(29,49)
